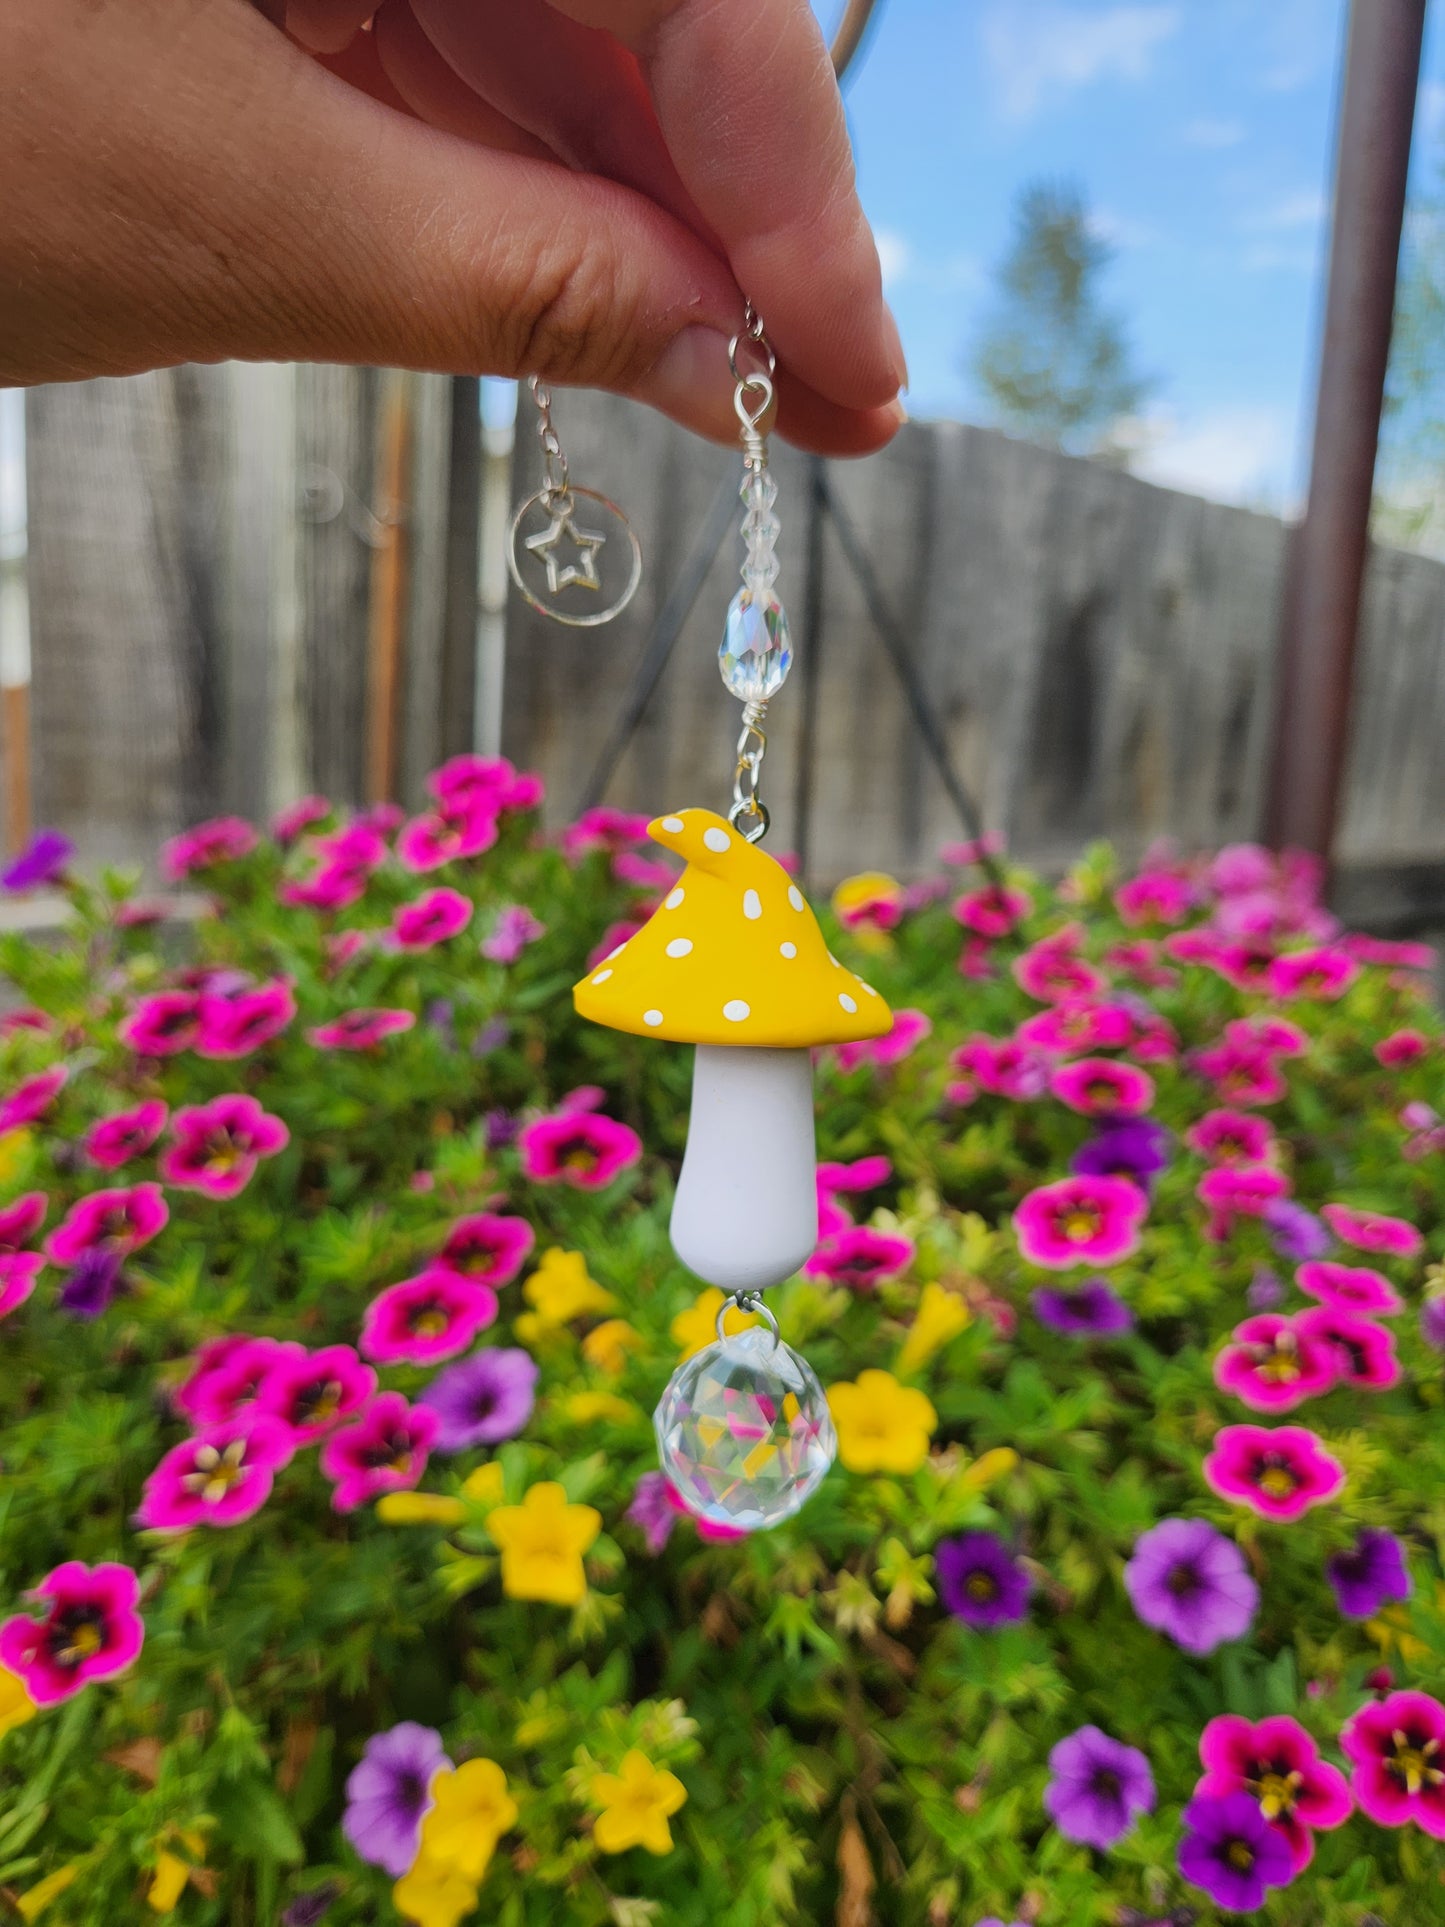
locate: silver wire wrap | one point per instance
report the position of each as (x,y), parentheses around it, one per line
(753,398)
(555,483)
(747,1302)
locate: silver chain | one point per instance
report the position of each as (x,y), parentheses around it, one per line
(555,486)
(752,400)
(747,804)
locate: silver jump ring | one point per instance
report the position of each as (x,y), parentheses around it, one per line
(748,1301)
(750,806)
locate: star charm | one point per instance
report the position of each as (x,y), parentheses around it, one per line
(584,570)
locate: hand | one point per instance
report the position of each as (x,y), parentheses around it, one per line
(577,189)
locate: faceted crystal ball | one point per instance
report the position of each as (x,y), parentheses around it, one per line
(744,1432)
(756,652)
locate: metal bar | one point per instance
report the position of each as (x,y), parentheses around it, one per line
(848,38)
(663,640)
(388,591)
(1320,612)
(812,665)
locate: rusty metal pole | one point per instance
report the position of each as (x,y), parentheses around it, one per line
(1320,615)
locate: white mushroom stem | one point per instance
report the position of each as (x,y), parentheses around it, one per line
(746,1212)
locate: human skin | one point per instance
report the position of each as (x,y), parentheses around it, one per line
(579,189)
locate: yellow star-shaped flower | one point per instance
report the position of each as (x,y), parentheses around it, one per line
(542,1541)
(419,1509)
(635,1803)
(471,1811)
(16,1705)
(941,1315)
(561,1289)
(697,1326)
(882,1426)
(434,1894)
(606,1346)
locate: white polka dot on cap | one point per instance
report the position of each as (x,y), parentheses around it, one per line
(788,949)
(752,905)
(680,947)
(653,1017)
(672,824)
(674,899)
(716,839)
(795,896)
(737,1010)
(848,1003)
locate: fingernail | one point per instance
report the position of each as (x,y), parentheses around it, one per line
(691,381)
(898,359)
(898,412)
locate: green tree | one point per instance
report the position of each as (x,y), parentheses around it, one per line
(1410,472)
(1053,361)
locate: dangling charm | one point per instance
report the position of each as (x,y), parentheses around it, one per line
(560,556)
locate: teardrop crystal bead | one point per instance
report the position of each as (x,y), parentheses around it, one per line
(756,652)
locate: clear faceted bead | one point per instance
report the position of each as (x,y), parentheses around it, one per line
(756,652)
(744,1432)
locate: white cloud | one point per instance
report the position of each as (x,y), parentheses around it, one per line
(901,261)
(1120,230)
(1039,51)
(1306,207)
(1205,132)
(1236,453)
(895,254)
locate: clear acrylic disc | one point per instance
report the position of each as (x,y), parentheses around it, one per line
(575,556)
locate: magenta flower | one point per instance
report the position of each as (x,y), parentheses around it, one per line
(1098,1788)
(1052,972)
(427,1318)
(1080,1221)
(431,919)
(385,1451)
(311,1392)
(1154,896)
(229,1377)
(388,1795)
(19,1271)
(614,938)
(1005,1067)
(1276,1036)
(45,859)
(225,839)
(863,1174)
(1139,959)
(448,833)
(162,1025)
(1349,1288)
(1369,1575)
(218,1478)
(652,1511)
(1323,973)
(1231,1137)
(361,1029)
(909,1029)
(1238,1191)
(1397,1747)
(1363,1352)
(469,778)
(1272,1365)
(1081,1024)
(1278,1472)
(32,1099)
(582,1148)
(217,1146)
(113,1141)
(334,885)
(514,929)
(483,1399)
(994,911)
(1190,1582)
(1402,1047)
(1232,1852)
(298,817)
(640,872)
(602,829)
(1278,1765)
(860,1257)
(120,1221)
(1242,1073)
(20,1221)
(1373,1230)
(91,1630)
(1098,1087)
(236,1025)
(487,1247)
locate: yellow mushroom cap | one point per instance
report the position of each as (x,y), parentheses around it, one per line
(733,955)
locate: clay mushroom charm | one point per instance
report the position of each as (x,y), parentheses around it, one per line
(734,963)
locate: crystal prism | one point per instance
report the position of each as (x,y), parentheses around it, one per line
(756,652)
(744,1432)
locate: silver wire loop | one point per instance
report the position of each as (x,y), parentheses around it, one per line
(748,1301)
(555,483)
(747,776)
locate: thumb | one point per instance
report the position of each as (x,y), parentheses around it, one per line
(186,185)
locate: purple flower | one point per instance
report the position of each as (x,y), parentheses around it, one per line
(92,1282)
(502,1129)
(513,930)
(388,1795)
(483,1400)
(491,1036)
(1088,1310)
(1295,1233)
(308,1909)
(1370,1573)
(1188,1581)
(1098,1788)
(652,1511)
(1432,1323)
(979,1580)
(1233,1852)
(1265,1290)
(1135,1147)
(42,861)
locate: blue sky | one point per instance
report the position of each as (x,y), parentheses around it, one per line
(1200,132)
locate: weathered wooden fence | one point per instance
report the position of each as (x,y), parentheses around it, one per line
(210,623)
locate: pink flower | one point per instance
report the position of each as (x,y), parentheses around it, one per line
(1323,973)
(447,834)
(361,1029)
(1373,1231)
(1402,1047)
(20,1221)
(236,1025)
(343,947)
(860,1257)
(1098,1087)
(26,1019)
(513,930)
(640,872)
(611,941)
(1139,959)
(298,817)
(161,1025)
(863,1174)
(1272,1366)
(1241,1073)
(225,839)
(1387,954)
(1275,1036)
(470,779)
(1004,1067)
(991,843)
(910,1027)
(310,1391)
(113,1141)
(32,1099)
(1079,1025)
(1080,1221)
(1240,868)
(1277,1763)
(1364,1353)
(1239,1190)
(120,1221)
(218,1478)
(385,1451)
(1349,1287)
(1397,1748)
(19,1271)
(1231,1137)
(1053,973)
(432,919)
(581,1148)
(435,1315)
(994,911)
(1279,1472)
(488,1248)
(334,885)
(91,1630)
(218,1145)
(1156,896)
(229,1376)
(602,829)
